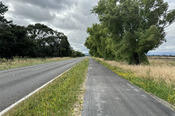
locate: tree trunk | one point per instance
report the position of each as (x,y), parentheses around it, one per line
(136,58)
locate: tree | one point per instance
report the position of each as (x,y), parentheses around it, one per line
(77,54)
(6,43)
(65,49)
(14,41)
(3,10)
(22,44)
(6,36)
(48,42)
(99,42)
(33,41)
(134,26)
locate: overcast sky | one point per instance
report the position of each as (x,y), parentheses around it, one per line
(71,17)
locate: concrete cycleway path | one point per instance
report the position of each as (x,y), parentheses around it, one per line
(109,95)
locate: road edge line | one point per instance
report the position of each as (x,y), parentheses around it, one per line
(30,94)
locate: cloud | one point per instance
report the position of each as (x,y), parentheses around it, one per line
(33,13)
(71,17)
(168,46)
(45,4)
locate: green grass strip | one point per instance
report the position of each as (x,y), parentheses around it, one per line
(56,99)
(160,89)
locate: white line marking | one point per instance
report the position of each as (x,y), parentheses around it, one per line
(143,95)
(135,89)
(30,94)
(130,86)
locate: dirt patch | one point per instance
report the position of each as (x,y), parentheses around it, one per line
(78,107)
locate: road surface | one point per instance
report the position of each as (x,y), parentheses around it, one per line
(17,83)
(109,95)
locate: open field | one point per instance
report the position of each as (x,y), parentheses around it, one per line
(162,57)
(159,69)
(56,99)
(21,62)
(157,78)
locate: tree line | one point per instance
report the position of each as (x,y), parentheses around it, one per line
(128,29)
(36,40)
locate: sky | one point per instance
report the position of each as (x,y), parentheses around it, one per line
(72,17)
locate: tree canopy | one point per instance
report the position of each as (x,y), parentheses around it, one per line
(36,40)
(128,29)
(48,42)
(3,10)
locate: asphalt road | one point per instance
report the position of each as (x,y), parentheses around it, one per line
(109,95)
(17,83)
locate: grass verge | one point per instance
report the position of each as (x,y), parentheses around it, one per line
(56,99)
(21,62)
(158,88)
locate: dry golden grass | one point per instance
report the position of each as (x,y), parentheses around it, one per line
(158,69)
(20,62)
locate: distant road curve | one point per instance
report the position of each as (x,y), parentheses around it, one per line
(17,83)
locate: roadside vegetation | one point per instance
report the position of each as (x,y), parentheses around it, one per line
(157,78)
(21,62)
(56,99)
(33,41)
(126,32)
(129,29)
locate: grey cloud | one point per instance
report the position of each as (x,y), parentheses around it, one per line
(167,46)
(33,12)
(49,4)
(71,17)
(67,23)
(79,47)
(75,21)
(78,17)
